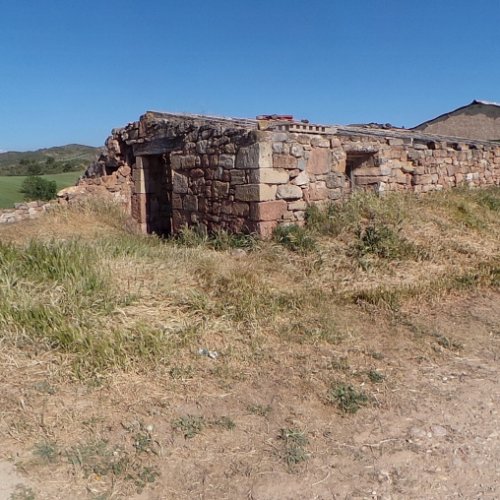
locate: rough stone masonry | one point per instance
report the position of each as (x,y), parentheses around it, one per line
(171,171)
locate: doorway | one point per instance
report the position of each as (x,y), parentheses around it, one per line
(158,188)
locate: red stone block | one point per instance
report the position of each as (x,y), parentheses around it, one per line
(319,162)
(268,210)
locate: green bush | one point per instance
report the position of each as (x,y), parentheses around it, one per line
(347,398)
(37,188)
(382,241)
(295,238)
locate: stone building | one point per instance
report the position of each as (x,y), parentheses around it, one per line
(478,120)
(170,170)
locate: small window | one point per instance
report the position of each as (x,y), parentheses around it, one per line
(355,161)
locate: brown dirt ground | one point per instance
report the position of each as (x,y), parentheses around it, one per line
(430,431)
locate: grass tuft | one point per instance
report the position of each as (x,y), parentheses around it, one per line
(46,451)
(381,240)
(295,238)
(80,284)
(221,240)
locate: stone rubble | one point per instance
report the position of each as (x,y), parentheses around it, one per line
(23,211)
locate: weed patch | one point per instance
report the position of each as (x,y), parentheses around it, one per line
(382,241)
(489,198)
(347,217)
(143,442)
(99,459)
(375,376)
(294,441)
(295,238)
(47,452)
(348,399)
(223,240)
(189,425)
(220,240)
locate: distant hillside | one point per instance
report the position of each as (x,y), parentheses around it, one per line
(69,158)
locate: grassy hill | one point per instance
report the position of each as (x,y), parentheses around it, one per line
(10,186)
(78,156)
(357,355)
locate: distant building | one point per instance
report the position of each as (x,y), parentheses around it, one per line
(479,120)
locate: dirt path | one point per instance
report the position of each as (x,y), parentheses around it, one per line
(435,435)
(431,428)
(11,482)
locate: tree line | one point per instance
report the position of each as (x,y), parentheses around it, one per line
(49,165)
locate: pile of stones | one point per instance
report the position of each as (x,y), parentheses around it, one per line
(22,211)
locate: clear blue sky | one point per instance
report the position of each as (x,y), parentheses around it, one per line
(72,70)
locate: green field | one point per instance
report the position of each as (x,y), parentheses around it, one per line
(10,186)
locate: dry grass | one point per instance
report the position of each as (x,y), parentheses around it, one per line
(77,284)
(101,329)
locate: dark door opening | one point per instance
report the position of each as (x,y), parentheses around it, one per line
(158,184)
(355,161)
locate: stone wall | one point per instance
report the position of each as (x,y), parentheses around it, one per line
(170,171)
(115,186)
(303,169)
(23,211)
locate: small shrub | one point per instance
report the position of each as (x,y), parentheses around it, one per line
(294,446)
(144,476)
(38,188)
(383,241)
(295,238)
(348,399)
(375,376)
